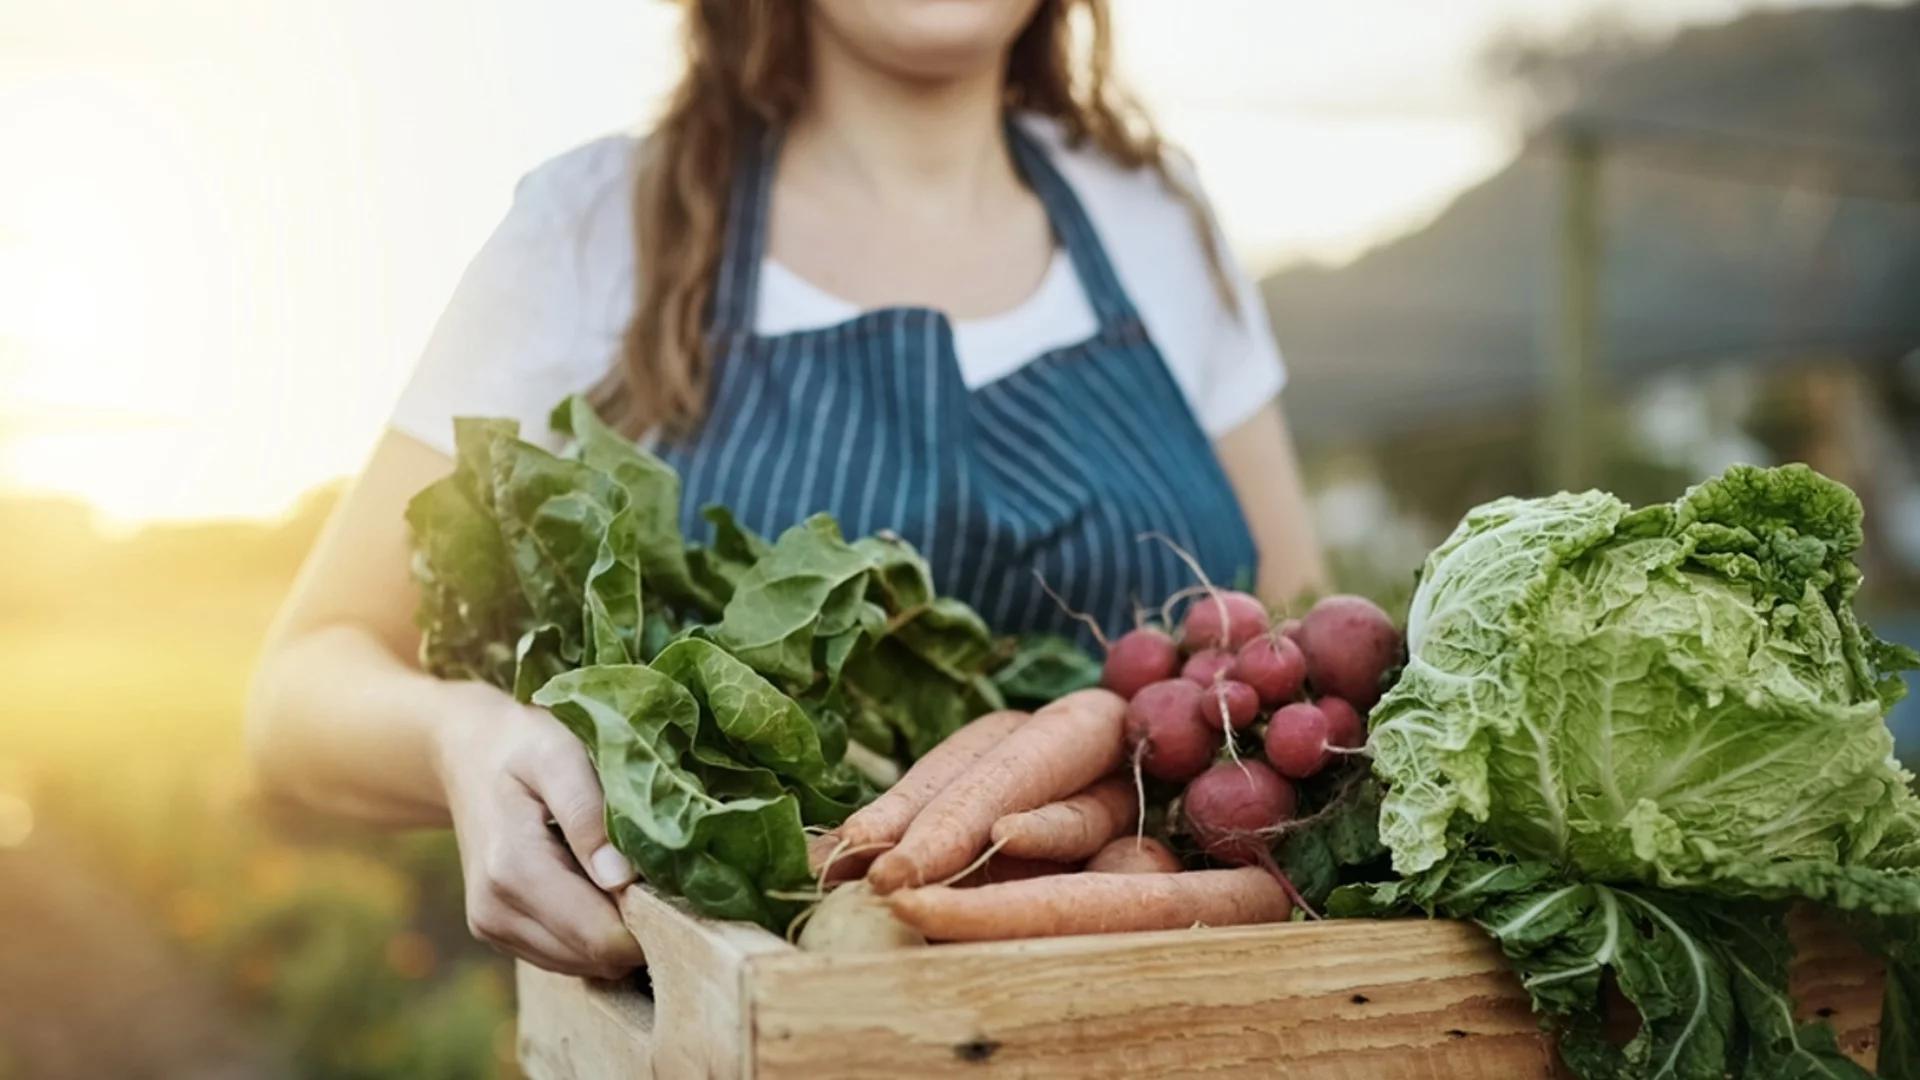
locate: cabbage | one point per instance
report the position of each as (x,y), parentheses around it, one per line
(1677,695)
(1626,740)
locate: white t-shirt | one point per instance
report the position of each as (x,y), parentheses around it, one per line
(539,312)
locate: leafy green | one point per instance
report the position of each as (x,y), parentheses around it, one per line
(1626,739)
(715,687)
(1045,667)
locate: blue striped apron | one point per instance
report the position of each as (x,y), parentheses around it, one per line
(1062,467)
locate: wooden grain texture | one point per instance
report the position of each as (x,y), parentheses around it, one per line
(1833,979)
(1362,1001)
(573,1029)
(693,1025)
(1365,1000)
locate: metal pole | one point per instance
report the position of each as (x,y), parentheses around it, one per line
(1569,433)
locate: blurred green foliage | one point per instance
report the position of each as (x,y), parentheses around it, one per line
(345,954)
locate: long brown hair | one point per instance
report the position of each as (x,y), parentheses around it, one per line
(747,66)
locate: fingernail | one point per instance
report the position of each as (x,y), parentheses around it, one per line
(610,869)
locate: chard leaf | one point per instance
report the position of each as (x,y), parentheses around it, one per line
(638,726)
(553,513)
(615,610)
(765,726)
(642,730)
(653,497)
(471,611)
(1044,667)
(812,585)
(537,659)
(717,569)
(908,696)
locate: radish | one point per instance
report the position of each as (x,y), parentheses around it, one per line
(1229,704)
(1207,666)
(1231,807)
(1222,620)
(1297,739)
(1349,644)
(1139,657)
(1344,727)
(1291,630)
(1274,666)
(1165,732)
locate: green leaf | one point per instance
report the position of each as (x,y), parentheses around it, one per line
(1677,695)
(642,729)
(1341,832)
(717,569)
(765,726)
(553,513)
(910,697)
(537,660)
(1045,667)
(653,496)
(1900,1023)
(471,611)
(615,609)
(811,585)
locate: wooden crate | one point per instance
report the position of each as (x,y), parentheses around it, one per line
(1361,1000)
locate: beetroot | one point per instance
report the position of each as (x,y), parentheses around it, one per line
(1349,644)
(1139,657)
(1345,728)
(1222,620)
(1207,667)
(1230,807)
(1274,666)
(1229,703)
(1165,730)
(1297,739)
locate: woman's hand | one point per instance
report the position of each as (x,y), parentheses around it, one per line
(508,769)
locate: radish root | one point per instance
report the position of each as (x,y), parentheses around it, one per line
(1219,599)
(1079,616)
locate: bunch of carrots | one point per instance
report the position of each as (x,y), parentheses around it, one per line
(1033,825)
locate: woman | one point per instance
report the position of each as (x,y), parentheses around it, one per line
(905,261)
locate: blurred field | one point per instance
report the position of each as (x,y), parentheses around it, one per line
(156,920)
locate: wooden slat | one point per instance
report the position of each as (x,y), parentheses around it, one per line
(572,1029)
(1833,979)
(1409,1000)
(1396,1000)
(698,969)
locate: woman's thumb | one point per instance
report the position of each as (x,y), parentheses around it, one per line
(572,794)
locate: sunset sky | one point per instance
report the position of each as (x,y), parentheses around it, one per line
(227,226)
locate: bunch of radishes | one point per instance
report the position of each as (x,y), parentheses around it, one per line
(1193,697)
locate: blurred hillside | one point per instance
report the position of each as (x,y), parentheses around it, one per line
(1757,286)
(1760,199)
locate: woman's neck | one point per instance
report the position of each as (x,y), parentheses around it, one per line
(918,147)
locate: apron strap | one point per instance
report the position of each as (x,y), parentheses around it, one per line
(738,280)
(1075,230)
(746,232)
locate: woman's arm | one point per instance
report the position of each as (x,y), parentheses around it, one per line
(1259,460)
(343,720)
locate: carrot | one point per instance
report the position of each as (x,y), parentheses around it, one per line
(1003,868)
(1073,828)
(1092,903)
(1067,745)
(1134,855)
(884,820)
